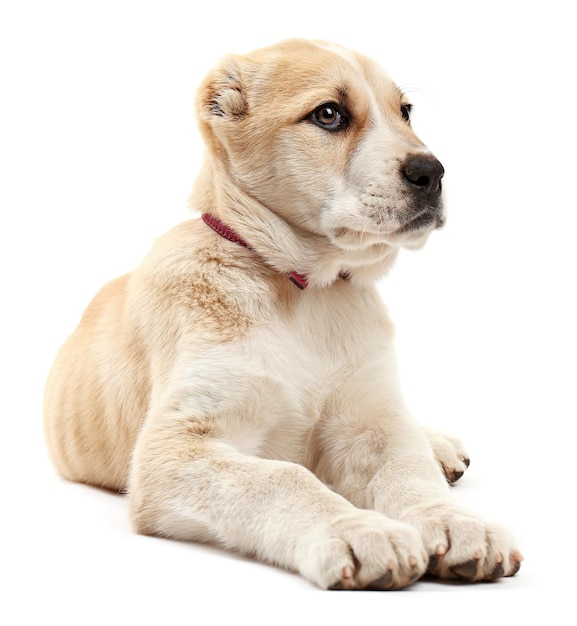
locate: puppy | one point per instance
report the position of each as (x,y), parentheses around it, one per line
(240,384)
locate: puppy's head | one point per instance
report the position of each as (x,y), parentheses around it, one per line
(321,136)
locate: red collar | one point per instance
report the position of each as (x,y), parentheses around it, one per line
(225,231)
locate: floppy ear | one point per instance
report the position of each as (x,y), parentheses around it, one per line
(221,103)
(221,94)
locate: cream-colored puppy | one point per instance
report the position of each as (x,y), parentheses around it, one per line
(241,383)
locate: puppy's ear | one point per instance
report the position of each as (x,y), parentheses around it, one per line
(222,93)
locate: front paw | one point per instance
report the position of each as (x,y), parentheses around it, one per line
(363,550)
(463,546)
(450,454)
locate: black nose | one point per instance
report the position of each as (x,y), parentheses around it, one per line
(424,172)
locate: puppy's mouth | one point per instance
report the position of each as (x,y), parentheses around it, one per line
(412,232)
(428,218)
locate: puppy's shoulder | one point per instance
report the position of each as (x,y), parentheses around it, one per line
(205,279)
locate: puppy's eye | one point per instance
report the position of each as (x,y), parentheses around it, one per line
(406,112)
(329,116)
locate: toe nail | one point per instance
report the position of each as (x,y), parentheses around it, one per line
(346,581)
(515,568)
(454,476)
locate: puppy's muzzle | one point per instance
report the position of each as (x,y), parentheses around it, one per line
(423,175)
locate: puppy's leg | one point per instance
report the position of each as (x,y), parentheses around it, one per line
(369,449)
(449,452)
(188,483)
(460,543)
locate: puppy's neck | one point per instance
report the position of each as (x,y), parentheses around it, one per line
(282,246)
(227,233)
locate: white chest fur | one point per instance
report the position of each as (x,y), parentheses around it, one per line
(270,387)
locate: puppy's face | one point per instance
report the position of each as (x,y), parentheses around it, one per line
(322,137)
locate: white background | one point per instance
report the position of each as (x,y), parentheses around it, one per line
(98,151)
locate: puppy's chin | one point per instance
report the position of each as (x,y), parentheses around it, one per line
(412,235)
(415,233)
(415,243)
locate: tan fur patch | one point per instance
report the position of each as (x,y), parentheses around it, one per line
(205,291)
